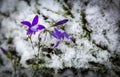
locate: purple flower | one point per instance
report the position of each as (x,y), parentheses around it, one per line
(57,34)
(33,27)
(60,35)
(61,22)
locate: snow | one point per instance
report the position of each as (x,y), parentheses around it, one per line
(8,6)
(77,56)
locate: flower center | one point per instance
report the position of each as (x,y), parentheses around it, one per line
(34,28)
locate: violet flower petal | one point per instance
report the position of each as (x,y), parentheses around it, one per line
(35,20)
(56,45)
(3,50)
(54,34)
(27,23)
(67,36)
(29,31)
(62,36)
(61,22)
(58,33)
(40,27)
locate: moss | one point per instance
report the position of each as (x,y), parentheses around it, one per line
(74,70)
(5,14)
(62,27)
(28,2)
(0,26)
(47,50)
(48,55)
(41,61)
(115,59)
(57,51)
(73,40)
(67,11)
(34,61)
(46,72)
(103,47)
(12,51)
(51,51)
(101,72)
(84,25)
(67,43)
(96,64)
(7,72)
(10,40)
(65,1)
(1,61)
(45,17)
(23,75)
(45,69)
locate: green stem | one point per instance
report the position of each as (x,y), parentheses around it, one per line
(31,41)
(15,63)
(33,49)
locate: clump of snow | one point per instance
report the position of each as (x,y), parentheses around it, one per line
(103,19)
(8,6)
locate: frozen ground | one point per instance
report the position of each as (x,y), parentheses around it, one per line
(94,24)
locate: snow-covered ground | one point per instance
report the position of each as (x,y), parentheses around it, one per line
(94,25)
